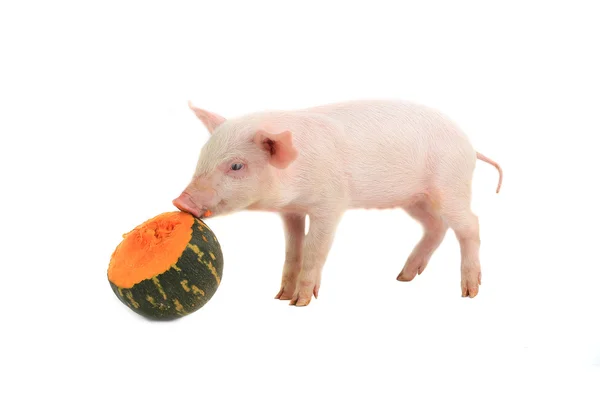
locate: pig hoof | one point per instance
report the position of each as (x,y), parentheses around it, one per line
(288,286)
(300,300)
(405,277)
(285,293)
(300,303)
(304,296)
(412,267)
(470,284)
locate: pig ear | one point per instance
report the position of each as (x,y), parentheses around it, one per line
(210,120)
(279,146)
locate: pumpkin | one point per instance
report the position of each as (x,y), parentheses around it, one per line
(167,267)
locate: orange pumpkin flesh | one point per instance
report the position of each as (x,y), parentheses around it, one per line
(150,248)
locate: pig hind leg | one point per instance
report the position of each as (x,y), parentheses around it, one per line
(434,231)
(454,190)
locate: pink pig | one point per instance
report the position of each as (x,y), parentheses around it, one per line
(325,160)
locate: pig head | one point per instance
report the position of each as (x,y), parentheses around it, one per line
(236,168)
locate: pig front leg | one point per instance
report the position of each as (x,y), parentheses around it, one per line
(294,227)
(317,244)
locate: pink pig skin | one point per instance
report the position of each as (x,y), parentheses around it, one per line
(325,160)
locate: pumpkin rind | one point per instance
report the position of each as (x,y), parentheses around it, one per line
(185,286)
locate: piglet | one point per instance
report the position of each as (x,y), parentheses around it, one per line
(319,162)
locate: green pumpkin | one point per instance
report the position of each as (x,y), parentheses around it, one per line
(167,267)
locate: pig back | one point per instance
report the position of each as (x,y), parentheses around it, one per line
(392,149)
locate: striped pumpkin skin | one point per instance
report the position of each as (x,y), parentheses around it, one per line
(183,287)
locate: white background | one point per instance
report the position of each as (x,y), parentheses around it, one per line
(97,137)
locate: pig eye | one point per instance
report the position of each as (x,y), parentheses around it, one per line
(236,166)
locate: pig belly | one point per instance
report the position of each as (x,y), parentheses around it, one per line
(386,188)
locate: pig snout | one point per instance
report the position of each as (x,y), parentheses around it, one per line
(194,204)
(185,203)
